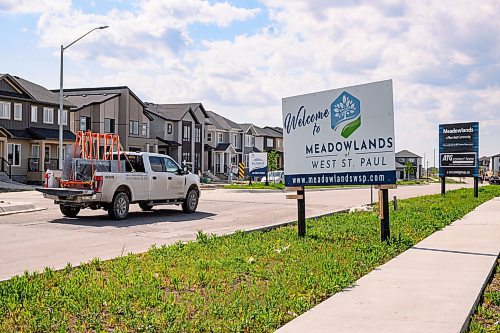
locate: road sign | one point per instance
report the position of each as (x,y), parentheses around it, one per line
(241,170)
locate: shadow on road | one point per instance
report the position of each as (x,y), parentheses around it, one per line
(134,218)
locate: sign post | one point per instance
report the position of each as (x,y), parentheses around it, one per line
(340,137)
(459,153)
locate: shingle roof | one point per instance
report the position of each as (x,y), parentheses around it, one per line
(267,131)
(174,112)
(222,123)
(81,101)
(36,91)
(245,127)
(406,153)
(49,133)
(99,90)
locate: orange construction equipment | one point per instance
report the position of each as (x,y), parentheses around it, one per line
(87,146)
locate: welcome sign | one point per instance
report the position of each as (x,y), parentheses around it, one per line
(341,136)
(257,164)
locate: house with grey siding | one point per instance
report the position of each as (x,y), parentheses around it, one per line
(268,139)
(112,110)
(224,144)
(29,129)
(179,132)
(405,156)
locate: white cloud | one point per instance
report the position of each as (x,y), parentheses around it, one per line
(443,56)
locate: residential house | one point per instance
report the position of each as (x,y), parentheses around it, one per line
(268,139)
(178,130)
(224,142)
(402,158)
(484,165)
(112,110)
(249,134)
(29,129)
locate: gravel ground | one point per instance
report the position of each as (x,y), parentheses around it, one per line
(487,316)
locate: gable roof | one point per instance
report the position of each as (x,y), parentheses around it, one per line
(222,123)
(35,91)
(406,153)
(174,112)
(97,90)
(81,101)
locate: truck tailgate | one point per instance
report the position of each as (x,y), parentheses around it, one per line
(63,192)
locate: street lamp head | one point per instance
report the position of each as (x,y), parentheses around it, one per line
(103,27)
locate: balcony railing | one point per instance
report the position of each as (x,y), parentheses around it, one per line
(50,163)
(5,167)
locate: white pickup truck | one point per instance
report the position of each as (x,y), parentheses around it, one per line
(148,179)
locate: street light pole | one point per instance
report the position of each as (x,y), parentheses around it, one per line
(61,99)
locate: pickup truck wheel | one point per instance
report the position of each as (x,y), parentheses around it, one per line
(118,209)
(69,211)
(191,202)
(145,206)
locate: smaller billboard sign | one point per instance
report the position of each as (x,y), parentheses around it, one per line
(459,150)
(257,164)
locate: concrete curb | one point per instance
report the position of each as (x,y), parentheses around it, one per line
(7,208)
(465,327)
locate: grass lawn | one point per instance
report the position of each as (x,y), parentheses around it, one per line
(487,316)
(245,282)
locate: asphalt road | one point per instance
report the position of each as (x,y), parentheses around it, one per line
(33,241)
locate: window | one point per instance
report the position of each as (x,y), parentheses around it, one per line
(235,140)
(48,115)
(209,136)
(35,151)
(170,165)
(197,134)
(64,116)
(156,163)
(109,125)
(47,152)
(186,133)
(186,157)
(145,130)
(18,111)
(269,142)
(221,137)
(85,123)
(169,128)
(14,154)
(248,140)
(4,110)
(246,160)
(134,127)
(34,113)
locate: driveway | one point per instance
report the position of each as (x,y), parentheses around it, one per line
(33,241)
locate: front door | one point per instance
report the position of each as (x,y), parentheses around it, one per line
(2,148)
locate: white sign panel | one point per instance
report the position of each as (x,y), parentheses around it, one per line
(340,136)
(257,164)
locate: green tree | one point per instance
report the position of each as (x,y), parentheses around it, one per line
(272,160)
(408,169)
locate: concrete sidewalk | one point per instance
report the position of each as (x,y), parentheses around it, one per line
(8,208)
(432,287)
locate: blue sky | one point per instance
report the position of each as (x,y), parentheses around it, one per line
(239,58)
